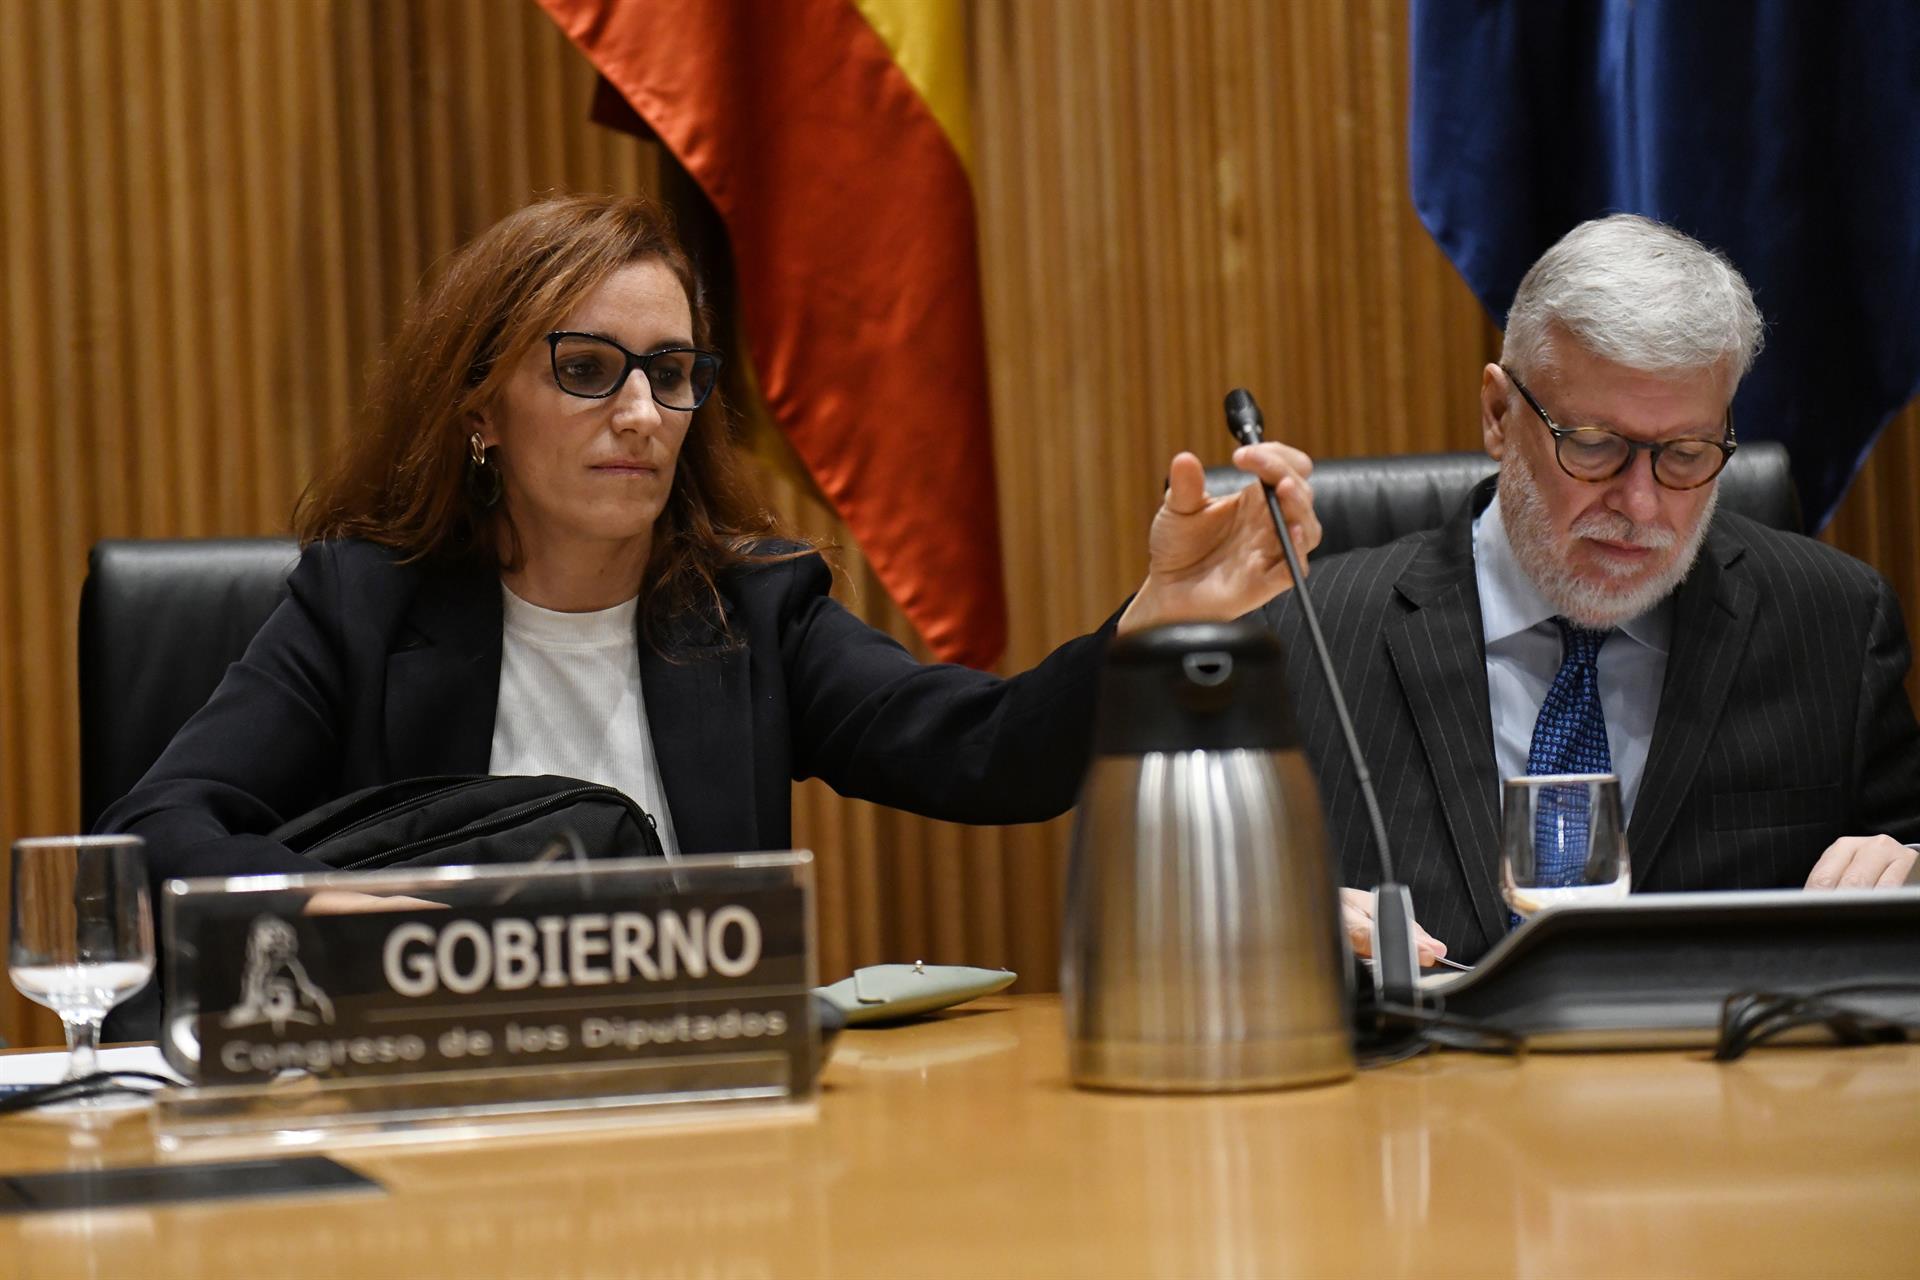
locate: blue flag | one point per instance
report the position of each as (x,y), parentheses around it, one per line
(1785,133)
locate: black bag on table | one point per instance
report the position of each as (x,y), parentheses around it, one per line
(470,821)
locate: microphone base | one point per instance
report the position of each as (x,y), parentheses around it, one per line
(1396,959)
(1387,1027)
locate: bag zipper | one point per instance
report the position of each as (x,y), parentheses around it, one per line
(506,819)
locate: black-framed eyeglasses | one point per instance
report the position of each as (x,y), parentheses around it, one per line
(593,368)
(1596,455)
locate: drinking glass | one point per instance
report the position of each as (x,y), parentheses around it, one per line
(82,932)
(1562,841)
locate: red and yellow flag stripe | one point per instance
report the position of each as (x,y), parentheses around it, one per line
(832,137)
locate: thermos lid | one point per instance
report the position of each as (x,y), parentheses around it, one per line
(1195,686)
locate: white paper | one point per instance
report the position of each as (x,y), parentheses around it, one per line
(51,1065)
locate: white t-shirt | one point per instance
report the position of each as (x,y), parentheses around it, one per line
(570,703)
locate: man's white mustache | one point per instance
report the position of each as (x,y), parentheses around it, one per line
(1613,527)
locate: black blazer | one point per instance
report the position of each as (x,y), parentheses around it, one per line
(374,671)
(1782,724)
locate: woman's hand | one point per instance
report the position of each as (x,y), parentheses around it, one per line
(1212,560)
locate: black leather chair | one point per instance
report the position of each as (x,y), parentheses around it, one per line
(1367,502)
(160,622)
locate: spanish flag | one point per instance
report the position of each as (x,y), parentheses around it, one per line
(832,137)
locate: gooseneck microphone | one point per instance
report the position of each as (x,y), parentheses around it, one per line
(1393,946)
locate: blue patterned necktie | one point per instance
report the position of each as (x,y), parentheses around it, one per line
(1569,737)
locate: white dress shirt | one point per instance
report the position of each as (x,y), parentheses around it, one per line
(1524,655)
(571,704)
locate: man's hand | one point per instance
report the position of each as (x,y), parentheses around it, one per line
(1212,560)
(1862,862)
(1356,912)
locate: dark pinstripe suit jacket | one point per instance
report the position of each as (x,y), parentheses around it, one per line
(1782,726)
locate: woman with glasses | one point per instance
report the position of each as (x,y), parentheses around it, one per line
(539,554)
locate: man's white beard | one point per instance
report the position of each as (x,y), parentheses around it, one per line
(1598,606)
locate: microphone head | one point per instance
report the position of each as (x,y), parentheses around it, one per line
(1243,417)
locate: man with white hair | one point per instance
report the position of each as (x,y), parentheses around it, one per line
(1589,612)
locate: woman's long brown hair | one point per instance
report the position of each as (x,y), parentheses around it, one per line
(403,479)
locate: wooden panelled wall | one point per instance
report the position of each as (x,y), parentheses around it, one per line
(210,211)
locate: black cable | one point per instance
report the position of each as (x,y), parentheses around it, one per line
(98,1084)
(1411,1030)
(1747,1019)
(1750,1018)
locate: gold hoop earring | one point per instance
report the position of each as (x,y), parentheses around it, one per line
(483,477)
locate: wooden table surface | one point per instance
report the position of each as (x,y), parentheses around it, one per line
(956,1148)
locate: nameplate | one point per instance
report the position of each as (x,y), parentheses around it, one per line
(604,964)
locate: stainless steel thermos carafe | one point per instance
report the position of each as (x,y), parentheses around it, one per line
(1202,949)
